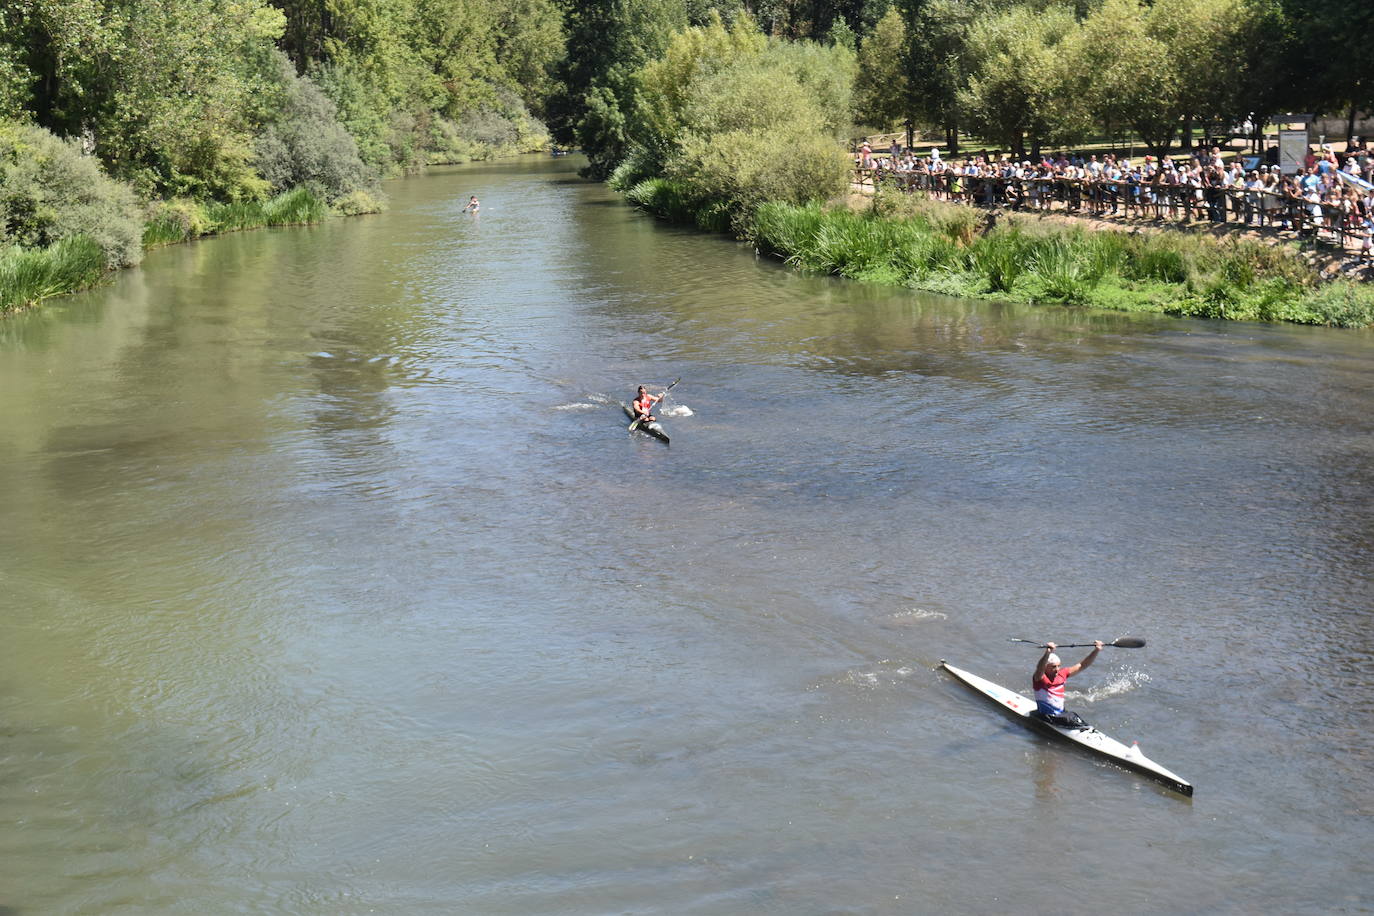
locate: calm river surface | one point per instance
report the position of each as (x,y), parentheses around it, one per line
(333,583)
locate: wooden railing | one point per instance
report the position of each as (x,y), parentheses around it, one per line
(1141,200)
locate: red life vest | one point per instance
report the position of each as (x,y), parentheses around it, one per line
(644,405)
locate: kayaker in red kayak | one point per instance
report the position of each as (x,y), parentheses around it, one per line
(644,405)
(1048,682)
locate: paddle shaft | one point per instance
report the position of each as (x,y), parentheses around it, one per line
(1126,642)
(638,420)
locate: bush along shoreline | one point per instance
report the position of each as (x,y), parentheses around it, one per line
(919,243)
(65,224)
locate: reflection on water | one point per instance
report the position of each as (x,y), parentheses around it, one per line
(334,584)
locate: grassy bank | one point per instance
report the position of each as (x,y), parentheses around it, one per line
(906,240)
(29,275)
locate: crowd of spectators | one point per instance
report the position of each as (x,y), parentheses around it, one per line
(1330,196)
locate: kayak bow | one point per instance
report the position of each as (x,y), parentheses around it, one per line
(1089,738)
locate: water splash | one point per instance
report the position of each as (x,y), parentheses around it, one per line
(1120,682)
(680,410)
(886,674)
(916,614)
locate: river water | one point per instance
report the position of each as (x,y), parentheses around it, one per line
(333,583)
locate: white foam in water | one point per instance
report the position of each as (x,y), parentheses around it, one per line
(681,410)
(579,406)
(919,613)
(1119,683)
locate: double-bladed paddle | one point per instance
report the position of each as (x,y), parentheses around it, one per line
(638,420)
(1125,642)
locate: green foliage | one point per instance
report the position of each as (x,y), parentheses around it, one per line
(176,220)
(28,276)
(911,243)
(306,144)
(742,120)
(49,191)
(675,201)
(356,203)
(1343,304)
(638,165)
(1001,257)
(296,207)
(608,42)
(1017,86)
(1064,272)
(882,90)
(503,129)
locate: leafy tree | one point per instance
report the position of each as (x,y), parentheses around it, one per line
(1150,67)
(1327,60)
(740,119)
(608,41)
(743,153)
(935,59)
(306,144)
(1015,82)
(882,89)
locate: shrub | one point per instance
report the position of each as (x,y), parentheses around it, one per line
(306,144)
(1343,304)
(359,202)
(49,192)
(175,220)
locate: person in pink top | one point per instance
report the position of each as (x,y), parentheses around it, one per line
(1049,679)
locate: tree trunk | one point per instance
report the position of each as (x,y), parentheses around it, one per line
(910,134)
(1187,141)
(1350,127)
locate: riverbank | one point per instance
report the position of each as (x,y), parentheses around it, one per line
(28,276)
(909,240)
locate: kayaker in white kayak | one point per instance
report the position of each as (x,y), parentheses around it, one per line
(644,405)
(1048,683)
(473,206)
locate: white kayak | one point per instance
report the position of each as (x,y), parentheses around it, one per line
(1088,738)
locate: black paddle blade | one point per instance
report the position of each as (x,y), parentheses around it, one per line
(1128,642)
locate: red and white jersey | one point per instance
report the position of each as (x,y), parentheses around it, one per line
(1050,691)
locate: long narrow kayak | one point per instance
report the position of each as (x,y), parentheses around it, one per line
(1089,738)
(654,429)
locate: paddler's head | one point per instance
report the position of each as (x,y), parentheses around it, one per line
(641,389)
(1052,661)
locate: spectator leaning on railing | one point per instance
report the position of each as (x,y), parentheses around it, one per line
(1204,187)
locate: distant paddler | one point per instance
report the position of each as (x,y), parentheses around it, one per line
(473,206)
(643,405)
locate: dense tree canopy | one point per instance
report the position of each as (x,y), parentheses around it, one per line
(190,97)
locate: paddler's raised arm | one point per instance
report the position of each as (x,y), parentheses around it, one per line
(1044,659)
(1087,659)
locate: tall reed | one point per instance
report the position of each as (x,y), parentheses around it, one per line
(28,276)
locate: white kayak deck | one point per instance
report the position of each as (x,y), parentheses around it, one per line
(1089,738)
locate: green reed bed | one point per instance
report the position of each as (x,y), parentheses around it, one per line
(182,220)
(945,247)
(679,202)
(29,275)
